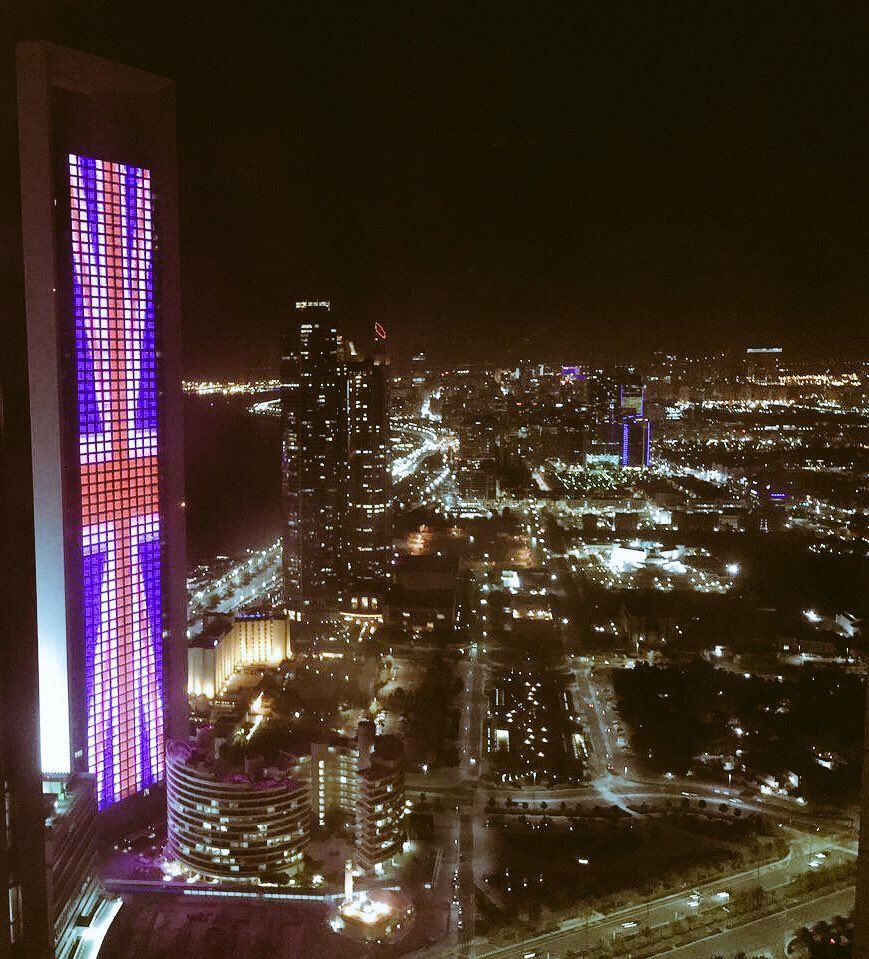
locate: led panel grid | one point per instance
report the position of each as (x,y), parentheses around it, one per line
(116,367)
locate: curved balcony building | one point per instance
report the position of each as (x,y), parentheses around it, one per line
(231,823)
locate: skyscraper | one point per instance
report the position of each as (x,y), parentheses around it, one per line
(100,236)
(335,454)
(314,458)
(368,514)
(636,442)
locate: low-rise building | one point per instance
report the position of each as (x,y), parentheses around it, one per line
(228,645)
(423,594)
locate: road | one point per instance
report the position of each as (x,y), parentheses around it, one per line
(231,591)
(585,932)
(474,841)
(769,935)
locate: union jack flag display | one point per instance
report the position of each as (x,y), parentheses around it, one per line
(118,430)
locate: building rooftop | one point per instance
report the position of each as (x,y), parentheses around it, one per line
(253,775)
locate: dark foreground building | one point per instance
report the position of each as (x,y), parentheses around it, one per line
(861,904)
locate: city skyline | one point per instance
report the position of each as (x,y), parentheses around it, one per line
(434,579)
(527,181)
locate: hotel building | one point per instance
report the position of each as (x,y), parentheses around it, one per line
(224,648)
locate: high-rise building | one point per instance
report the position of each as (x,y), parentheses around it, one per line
(367,521)
(636,442)
(314,457)
(25,927)
(335,455)
(100,234)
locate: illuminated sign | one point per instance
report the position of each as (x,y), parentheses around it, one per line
(379,331)
(119,482)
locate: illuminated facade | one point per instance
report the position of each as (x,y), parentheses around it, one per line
(119,479)
(251,640)
(103,317)
(636,442)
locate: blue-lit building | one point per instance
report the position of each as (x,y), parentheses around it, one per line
(636,442)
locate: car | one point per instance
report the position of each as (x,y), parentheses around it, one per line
(629,925)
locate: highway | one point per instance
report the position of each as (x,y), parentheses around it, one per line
(232,591)
(769,935)
(709,900)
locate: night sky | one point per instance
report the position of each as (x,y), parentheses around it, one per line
(558,181)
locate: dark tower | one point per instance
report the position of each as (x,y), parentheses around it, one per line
(314,458)
(368,526)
